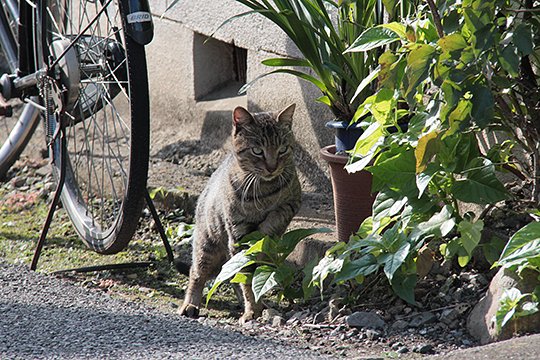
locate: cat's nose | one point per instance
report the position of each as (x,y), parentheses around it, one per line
(271,168)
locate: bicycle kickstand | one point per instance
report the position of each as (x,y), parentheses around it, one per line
(159,226)
(56,198)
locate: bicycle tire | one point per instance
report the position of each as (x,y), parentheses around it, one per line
(15,133)
(107,122)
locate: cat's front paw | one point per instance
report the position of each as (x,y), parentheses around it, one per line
(249,315)
(189,310)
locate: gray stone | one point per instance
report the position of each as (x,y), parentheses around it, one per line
(373,334)
(269,314)
(278,321)
(421,319)
(449,315)
(424,349)
(399,325)
(481,323)
(364,319)
(403,350)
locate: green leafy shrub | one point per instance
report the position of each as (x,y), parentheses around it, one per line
(452,76)
(262,263)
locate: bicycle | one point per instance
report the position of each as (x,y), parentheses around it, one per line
(79,66)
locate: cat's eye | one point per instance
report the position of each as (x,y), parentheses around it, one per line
(257,151)
(283,150)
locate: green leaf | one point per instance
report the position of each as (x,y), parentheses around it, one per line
(256,248)
(452,42)
(492,250)
(307,283)
(322,87)
(229,269)
(393,261)
(286,62)
(383,106)
(524,244)
(327,265)
(507,306)
(440,225)
(427,147)
(366,227)
(387,204)
(365,82)
(252,238)
(398,172)
(483,105)
(509,60)
(424,178)
(470,234)
(480,186)
(419,61)
(241,278)
(263,281)
(372,136)
(372,38)
(365,266)
(403,285)
(396,27)
(523,39)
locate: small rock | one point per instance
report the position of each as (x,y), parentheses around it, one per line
(364,319)
(426,317)
(373,334)
(402,350)
(458,294)
(424,349)
(18,181)
(407,310)
(297,316)
(399,325)
(250,325)
(449,315)
(269,314)
(395,310)
(278,321)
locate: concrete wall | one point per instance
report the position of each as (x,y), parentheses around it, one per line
(190,80)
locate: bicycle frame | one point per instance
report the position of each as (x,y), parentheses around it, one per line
(24,78)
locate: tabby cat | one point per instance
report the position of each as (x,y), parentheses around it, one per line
(255,189)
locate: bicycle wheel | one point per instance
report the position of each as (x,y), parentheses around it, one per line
(16,131)
(105,111)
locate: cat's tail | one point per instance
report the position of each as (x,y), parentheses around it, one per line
(182,267)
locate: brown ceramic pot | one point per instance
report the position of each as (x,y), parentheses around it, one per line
(352,193)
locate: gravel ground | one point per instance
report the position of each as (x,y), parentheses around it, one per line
(42,317)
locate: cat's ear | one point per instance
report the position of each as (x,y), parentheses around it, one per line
(241,117)
(285,116)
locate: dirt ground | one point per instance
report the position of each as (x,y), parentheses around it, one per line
(435,326)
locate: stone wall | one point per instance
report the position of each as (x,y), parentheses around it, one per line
(192,80)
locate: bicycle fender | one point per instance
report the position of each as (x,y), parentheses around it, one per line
(138,20)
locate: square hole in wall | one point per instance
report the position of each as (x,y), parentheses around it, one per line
(219,68)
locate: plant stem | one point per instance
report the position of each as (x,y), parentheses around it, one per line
(436,17)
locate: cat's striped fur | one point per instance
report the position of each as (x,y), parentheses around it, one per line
(255,189)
